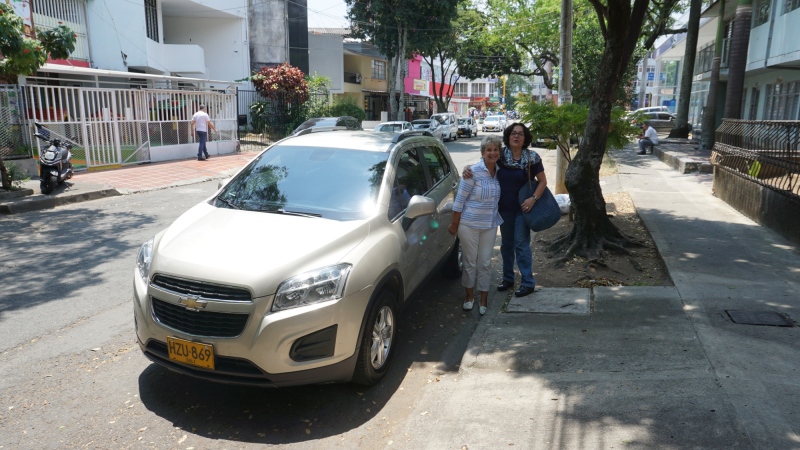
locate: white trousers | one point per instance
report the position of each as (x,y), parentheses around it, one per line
(476,256)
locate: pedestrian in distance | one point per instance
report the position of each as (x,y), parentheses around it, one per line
(648,138)
(475,221)
(200,125)
(518,165)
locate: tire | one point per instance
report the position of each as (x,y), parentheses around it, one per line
(46,185)
(452,265)
(377,340)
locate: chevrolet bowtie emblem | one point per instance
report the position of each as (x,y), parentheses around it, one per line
(193,303)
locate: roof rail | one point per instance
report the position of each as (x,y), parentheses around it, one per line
(320,129)
(406,134)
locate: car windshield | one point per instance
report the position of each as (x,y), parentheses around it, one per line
(463,122)
(390,128)
(492,119)
(336,184)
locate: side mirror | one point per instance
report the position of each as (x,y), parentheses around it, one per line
(420,206)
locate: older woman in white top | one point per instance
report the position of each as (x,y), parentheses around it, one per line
(475,219)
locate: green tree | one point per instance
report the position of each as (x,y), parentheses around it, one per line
(24,55)
(621,23)
(395,26)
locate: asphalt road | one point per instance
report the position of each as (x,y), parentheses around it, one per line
(71,374)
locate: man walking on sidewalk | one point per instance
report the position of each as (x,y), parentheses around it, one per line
(200,124)
(649,138)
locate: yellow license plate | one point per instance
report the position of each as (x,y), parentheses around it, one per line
(200,355)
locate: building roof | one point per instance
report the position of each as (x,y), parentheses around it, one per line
(84,72)
(363,48)
(336,31)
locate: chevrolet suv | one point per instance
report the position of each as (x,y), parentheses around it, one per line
(296,270)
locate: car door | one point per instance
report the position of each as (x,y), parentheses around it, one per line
(444,183)
(409,180)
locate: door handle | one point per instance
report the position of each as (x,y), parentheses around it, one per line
(455,185)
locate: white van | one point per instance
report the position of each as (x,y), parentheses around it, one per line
(450,124)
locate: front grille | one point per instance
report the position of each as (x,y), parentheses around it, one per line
(199,323)
(199,288)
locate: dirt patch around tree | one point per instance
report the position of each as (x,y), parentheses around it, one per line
(642,267)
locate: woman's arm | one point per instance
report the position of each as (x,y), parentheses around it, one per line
(541,179)
(453,228)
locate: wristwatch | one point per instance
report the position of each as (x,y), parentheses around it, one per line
(535,197)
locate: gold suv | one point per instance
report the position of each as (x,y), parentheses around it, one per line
(296,270)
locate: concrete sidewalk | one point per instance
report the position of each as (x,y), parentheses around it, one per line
(638,367)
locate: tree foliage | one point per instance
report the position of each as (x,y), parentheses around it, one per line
(281,80)
(24,55)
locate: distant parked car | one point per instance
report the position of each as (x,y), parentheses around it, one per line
(467,127)
(503,121)
(429,125)
(663,122)
(394,127)
(450,124)
(492,123)
(347,122)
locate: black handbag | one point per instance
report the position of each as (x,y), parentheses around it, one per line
(545,211)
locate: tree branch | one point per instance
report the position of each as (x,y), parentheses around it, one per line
(602,13)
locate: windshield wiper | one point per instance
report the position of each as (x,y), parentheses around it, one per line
(228,203)
(291,213)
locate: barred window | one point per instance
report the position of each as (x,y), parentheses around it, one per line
(378,70)
(479,89)
(761,12)
(754,97)
(151,19)
(790,5)
(782,101)
(461,89)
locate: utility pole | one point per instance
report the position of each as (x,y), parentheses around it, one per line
(564,90)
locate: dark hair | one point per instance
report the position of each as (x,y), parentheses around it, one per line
(510,128)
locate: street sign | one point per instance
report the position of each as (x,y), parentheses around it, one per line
(651,76)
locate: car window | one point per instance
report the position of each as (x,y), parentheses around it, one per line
(663,116)
(338,184)
(409,181)
(438,167)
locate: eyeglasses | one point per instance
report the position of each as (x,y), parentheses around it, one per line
(517,134)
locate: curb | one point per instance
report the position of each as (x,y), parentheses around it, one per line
(39,202)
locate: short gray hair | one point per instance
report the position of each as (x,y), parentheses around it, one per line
(202,106)
(491,140)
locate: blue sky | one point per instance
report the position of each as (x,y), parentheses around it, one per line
(327,14)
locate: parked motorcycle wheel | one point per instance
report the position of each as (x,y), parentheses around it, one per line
(48,184)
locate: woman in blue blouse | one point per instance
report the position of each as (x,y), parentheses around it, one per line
(517,166)
(475,219)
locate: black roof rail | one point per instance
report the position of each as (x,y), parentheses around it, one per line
(406,134)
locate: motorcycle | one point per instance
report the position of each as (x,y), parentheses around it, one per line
(54,161)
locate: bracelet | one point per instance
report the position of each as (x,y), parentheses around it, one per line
(535,197)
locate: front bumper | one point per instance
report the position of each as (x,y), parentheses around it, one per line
(264,351)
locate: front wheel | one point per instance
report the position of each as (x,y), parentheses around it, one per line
(375,349)
(48,183)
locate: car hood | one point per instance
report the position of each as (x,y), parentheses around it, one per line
(251,249)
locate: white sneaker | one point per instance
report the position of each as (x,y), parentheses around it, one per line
(468,306)
(482,310)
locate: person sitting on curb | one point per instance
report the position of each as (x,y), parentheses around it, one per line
(649,137)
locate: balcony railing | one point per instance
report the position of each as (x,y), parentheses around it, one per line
(765,152)
(351,77)
(705,57)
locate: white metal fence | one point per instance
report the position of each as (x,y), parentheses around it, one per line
(120,126)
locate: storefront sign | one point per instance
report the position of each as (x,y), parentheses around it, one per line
(420,85)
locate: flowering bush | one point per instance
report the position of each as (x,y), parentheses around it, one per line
(278,81)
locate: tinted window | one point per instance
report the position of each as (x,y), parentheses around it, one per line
(409,181)
(334,183)
(437,163)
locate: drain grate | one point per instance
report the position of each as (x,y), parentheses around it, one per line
(768,318)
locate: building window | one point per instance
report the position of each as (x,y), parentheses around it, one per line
(479,89)
(790,5)
(151,19)
(378,70)
(461,90)
(782,101)
(754,97)
(48,14)
(761,12)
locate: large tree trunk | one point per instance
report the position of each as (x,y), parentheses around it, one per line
(593,232)
(681,129)
(710,110)
(739,43)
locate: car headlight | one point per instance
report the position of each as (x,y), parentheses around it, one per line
(144,259)
(312,287)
